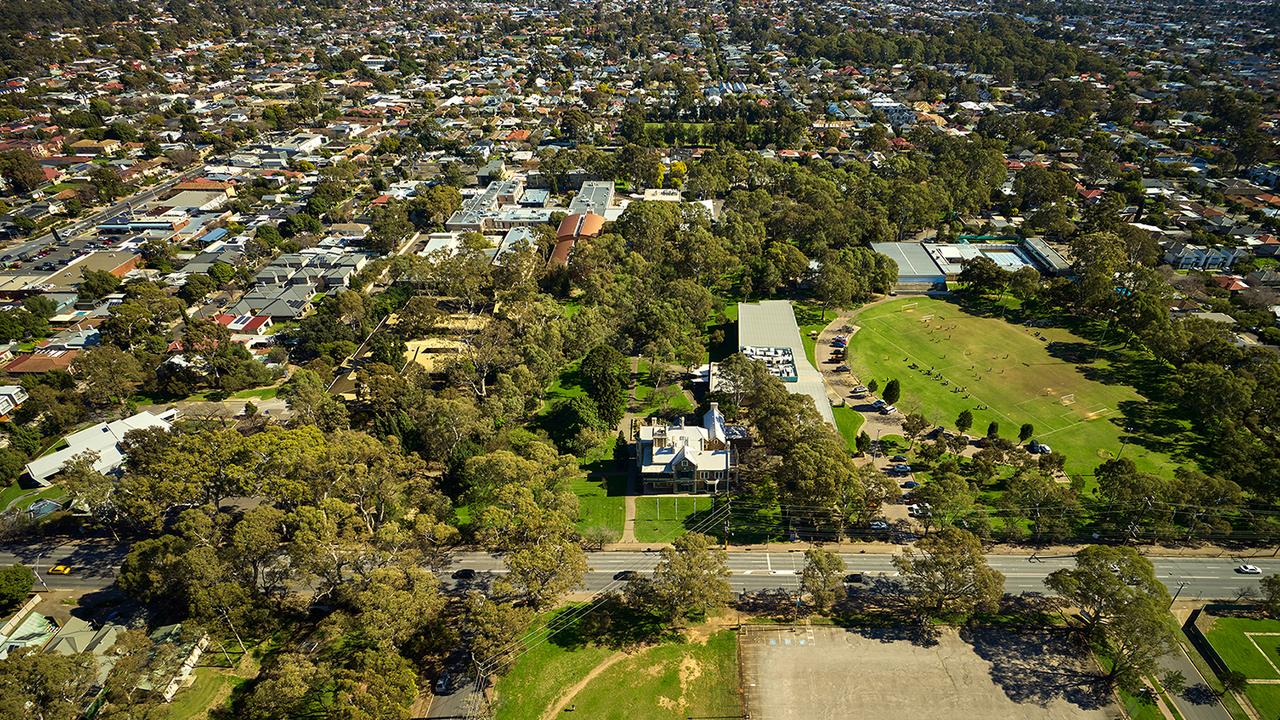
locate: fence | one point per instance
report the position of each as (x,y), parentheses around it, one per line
(1202,645)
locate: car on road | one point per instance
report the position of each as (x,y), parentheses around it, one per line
(853,579)
(442,684)
(60,570)
(626,575)
(1248,569)
(464,574)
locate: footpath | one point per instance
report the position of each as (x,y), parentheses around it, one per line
(887,548)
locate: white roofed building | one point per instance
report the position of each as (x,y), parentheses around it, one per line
(684,458)
(102,439)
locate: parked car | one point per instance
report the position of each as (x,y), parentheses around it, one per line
(878,404)
(1248,569)
(853,579)
(878,525)
(860,389)
(842,368)
(899,458)
(888,409)
(902,468)
(920,510)
(1038,447)
(911,485)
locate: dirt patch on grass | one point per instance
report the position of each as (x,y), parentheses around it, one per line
(690,670)
(560,704)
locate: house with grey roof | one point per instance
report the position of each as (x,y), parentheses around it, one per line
(684,458)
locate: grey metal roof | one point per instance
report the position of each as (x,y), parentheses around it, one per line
(772,323)
(913,260)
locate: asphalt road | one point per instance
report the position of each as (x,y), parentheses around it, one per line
(1199,578)
(1190,578)
(135,200)
(93,566)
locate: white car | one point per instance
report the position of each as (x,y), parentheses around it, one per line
(1248,569)
(888,409)
(878,525)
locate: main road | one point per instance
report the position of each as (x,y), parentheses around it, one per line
(94,567)
(1189,577)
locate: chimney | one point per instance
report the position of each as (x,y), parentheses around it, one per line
(680,422)
(715,408)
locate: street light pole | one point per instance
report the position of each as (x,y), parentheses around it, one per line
(36,569)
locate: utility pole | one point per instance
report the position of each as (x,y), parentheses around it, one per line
(36,570)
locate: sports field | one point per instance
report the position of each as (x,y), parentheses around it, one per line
(1251,646)
(948,360)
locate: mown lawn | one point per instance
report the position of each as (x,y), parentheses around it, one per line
(196,701)
(538,677)
(601,503)
(267,393)
(809,318)
(1265,699)
(671,681)
(659,400)
(11,493)
(662,519)
(674,679)
(1001,372)
(1239,653)
(848,422)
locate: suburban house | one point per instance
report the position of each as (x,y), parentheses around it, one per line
(26,628)
(102,439)
(684,458)
(178,652)
(242,324)
(1185,256)
(175,674)
(11,398)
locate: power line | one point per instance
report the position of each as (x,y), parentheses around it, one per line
(566,619)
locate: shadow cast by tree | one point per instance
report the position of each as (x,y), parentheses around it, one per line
(1039,666)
